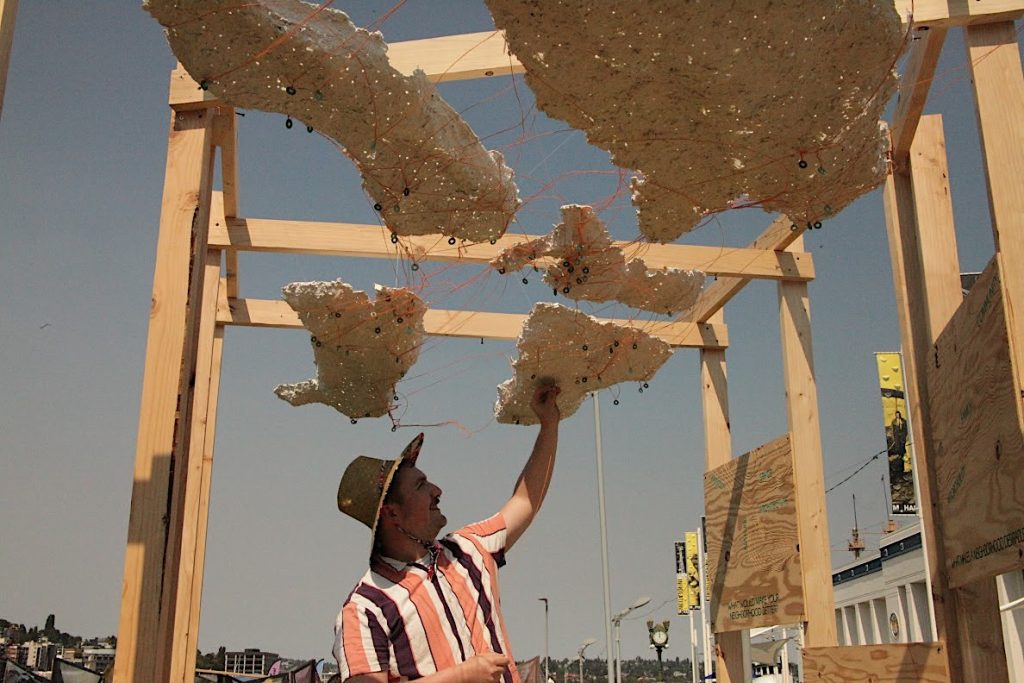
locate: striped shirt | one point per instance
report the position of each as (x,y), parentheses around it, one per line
(412,620)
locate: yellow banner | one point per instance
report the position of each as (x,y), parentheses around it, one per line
(897,434)
(693,569)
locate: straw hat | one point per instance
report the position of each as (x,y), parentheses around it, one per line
(366,482)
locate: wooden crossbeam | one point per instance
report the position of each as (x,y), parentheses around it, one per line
(946,14)
(8,12)
(348,239)
(775,238)
(478,55)
(915,83)
(473,324)
(456,58)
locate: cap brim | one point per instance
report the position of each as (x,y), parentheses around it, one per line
(409,453)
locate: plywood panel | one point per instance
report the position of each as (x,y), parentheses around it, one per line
(753,565)
(977,431)
(899,663)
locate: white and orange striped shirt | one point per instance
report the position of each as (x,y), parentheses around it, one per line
(412,620)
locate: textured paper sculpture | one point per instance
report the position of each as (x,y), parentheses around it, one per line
(586,265)
(662,290)
(774,103)
(423,166)
(563,346)
(361,347)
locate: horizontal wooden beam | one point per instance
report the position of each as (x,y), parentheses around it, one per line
(456,58)
(356,240)
(459,57)
(914,85)
(479,55)
(775,238)
(472,324)
(946,14)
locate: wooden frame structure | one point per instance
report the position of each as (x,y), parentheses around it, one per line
(196,295)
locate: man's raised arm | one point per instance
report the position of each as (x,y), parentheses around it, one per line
(532,485)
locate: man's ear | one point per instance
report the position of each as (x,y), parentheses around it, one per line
(388,513)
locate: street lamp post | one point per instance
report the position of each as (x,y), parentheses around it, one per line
(639,602)
(586,643)
(547,673)
(658,634)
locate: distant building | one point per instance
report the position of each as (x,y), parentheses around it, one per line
(40,655)
(249,661)
(883,598)
(98,658)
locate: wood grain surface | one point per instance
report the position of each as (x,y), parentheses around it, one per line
(753,566)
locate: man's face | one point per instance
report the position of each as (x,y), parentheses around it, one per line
(416,503)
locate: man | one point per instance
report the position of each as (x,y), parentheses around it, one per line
(429,609)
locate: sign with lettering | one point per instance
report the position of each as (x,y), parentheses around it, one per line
(753,564)
(977,439)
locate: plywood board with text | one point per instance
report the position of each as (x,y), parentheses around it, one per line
(977,436)
(896,663)
(753,564)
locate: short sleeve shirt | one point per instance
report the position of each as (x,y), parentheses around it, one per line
(412,620)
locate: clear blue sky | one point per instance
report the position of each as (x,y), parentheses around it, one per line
(82,149)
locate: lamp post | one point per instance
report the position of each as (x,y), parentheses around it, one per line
(639,602)
(658,634)
(586,643)
(547,675)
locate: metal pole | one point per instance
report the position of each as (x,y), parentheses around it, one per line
(693,647)
(785,657)
(618,654)
(547,673)
(581,666)
(604,538)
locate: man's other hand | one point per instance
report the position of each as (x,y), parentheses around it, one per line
(545,405)
(486,667)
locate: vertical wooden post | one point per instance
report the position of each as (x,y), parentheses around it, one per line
(999,92)
(975,607)
(808,470)
(225,135)
(926,278)
(202,519)
(178,625)
(732,662)
(168,370)
(8,12)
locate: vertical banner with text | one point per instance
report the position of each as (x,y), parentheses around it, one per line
(899,450)
(693,569)
(683,598)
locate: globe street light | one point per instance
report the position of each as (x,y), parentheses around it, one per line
(586,643)
(639,602)
(547,674)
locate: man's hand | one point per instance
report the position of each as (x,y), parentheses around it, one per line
(545,404)
(486,667)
